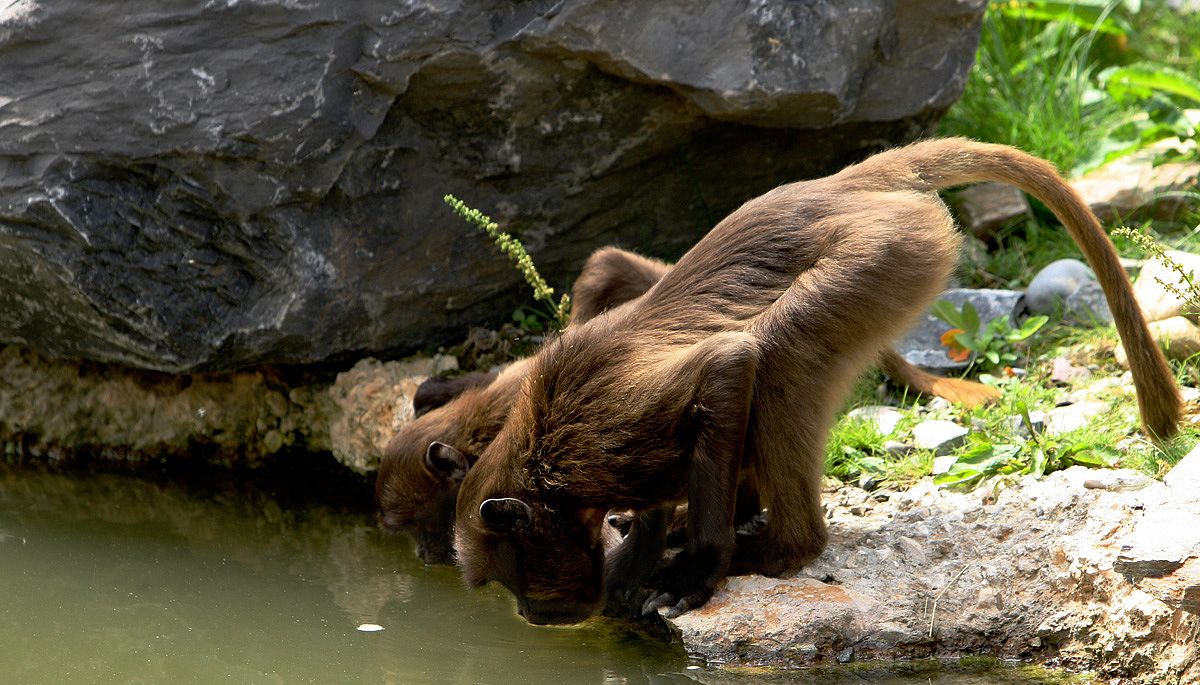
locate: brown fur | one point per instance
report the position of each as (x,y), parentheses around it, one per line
(415,493)
(438,390)
(958,390)
(610,278)
(424,463)
(735,362)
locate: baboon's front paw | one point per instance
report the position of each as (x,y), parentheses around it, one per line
(686,583)
(675,604)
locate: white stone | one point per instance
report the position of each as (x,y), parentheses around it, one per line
(1074,416)
(884,418)
(940,436)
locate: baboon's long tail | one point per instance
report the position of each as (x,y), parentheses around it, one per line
(937,164)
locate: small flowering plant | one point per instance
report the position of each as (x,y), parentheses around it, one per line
(1185,289)
(992,345)
(561,310)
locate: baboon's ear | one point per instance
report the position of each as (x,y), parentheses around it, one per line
(437,391)
(447,462)
(505,514)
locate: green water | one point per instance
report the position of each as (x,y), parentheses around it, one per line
(107,579)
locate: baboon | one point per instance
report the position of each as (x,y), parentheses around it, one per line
(457,417)
(424,463)
(731,368)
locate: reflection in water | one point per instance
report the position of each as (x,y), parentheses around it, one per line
(106,578)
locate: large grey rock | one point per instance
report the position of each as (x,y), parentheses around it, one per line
(193,186)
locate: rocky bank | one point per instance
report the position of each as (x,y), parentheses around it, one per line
(78,411)
(1050,571)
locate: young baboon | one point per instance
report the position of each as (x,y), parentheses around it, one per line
(424,463)
(731,368)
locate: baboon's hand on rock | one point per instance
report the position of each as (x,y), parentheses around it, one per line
(688,581)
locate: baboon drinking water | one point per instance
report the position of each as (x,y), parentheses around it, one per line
(729,370)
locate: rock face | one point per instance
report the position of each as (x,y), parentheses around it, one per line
(209,186)
(1162,555)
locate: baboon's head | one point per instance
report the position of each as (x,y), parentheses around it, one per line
(531,511)
(548,553)
(417,486)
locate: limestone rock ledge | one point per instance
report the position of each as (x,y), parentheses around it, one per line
(1026,573)
(59,410)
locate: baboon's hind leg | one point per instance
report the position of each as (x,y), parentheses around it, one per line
(885,260)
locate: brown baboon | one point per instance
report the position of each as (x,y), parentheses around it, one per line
(457,417)
(424,463)
(731,368)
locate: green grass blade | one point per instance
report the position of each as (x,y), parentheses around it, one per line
(1089,15)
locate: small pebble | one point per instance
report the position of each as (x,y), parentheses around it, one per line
(1114,483)
(938,404)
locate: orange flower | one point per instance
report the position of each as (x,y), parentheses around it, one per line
(956,352)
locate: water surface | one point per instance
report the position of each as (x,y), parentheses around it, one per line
(108,578)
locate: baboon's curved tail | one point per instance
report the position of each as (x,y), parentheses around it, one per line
(933,165)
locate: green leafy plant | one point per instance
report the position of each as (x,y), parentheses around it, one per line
(1155,98)
(970,339)
(984,458)
(981,459)
(1089,15)
(854,449)
(560,311)
(532,319)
